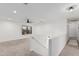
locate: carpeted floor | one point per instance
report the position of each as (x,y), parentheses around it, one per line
(34,54)
(70,49)
(16,48)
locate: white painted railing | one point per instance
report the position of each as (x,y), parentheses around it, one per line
(38,47)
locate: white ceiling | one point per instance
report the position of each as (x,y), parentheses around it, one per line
(33,11)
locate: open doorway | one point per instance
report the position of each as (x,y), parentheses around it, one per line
(72,46)
(73,30)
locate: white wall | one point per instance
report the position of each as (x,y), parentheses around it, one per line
(9,30)
(56,45)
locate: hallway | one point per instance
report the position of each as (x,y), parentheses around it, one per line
(70,49)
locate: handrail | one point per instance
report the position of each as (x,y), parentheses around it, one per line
(38,42)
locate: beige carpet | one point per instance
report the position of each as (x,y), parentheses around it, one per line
(16,48)
(32,53)
(70,49)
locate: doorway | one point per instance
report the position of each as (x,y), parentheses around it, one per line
(73,31)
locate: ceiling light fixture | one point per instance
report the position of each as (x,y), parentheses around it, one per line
(71,8)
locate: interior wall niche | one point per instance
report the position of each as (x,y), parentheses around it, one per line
(26,29)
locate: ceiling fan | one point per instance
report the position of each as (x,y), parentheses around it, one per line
(28,21)
(33,21)
(25,4)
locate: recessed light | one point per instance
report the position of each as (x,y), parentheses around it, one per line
(14,11)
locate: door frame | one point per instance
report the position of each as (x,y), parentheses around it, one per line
(68,21)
